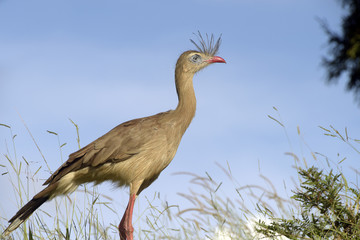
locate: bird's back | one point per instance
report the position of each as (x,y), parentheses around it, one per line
(134,150)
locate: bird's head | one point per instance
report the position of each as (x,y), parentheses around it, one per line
(194,60)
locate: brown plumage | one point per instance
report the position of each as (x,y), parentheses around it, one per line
(135,152)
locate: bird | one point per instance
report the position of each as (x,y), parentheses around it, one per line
(135,152)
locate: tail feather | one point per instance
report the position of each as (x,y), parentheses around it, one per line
(24,213)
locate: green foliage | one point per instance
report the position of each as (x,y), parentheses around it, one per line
(345,47)
(329,209)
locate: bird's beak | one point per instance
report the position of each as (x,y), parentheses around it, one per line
(216,59)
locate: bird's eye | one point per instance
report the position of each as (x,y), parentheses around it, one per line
(196,58)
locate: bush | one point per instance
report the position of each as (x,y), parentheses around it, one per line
(329,209)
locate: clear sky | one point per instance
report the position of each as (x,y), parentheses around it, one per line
(101,63)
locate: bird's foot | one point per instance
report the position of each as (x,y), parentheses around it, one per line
(126,232)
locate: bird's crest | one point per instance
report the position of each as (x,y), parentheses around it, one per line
(208,47)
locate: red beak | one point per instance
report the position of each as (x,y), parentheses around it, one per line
(216,59)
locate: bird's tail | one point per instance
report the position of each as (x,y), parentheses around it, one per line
(26,211)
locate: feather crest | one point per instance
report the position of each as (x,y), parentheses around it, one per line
(208,47)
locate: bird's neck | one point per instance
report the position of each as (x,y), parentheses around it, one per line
(185,110)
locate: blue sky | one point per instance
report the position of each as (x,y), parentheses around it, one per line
(102,63)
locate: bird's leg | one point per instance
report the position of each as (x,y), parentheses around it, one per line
(125,227)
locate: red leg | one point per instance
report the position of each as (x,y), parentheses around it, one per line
(125,227)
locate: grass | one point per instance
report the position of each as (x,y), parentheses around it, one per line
(77,216)
(212,215)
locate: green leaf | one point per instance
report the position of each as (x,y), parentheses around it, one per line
(276,120)
(51,132)
(4,125)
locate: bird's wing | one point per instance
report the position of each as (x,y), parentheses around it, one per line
(119,144)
